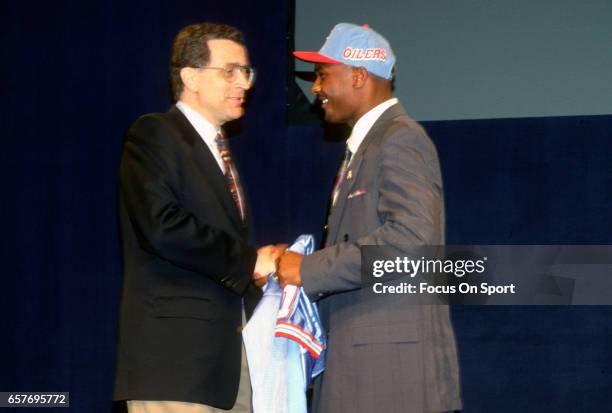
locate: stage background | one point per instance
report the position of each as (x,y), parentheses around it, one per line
(76,74)
(484,59)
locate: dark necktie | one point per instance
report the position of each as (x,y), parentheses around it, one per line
(341,174)
(231,175)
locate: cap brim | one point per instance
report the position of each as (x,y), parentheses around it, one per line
(314,57)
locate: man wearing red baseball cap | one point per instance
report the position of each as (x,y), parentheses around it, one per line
(384,354)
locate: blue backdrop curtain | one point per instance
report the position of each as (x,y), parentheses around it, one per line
(76,74)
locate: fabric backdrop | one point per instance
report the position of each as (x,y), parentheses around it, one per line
(75,74)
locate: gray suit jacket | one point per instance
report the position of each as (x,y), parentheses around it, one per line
(385,355)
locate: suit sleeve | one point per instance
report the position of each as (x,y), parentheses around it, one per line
(409,206)
(149,172)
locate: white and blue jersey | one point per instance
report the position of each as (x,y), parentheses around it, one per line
(285,344)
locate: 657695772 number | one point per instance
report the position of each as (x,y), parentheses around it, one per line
(40,399)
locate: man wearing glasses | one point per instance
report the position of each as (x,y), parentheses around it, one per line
(184,229)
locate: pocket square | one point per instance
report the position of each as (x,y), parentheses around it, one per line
(358,192)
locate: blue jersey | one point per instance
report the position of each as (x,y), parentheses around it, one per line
(285,345)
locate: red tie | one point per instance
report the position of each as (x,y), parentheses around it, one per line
(233,182)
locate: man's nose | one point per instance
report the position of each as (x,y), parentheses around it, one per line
(242,80)
(315,88)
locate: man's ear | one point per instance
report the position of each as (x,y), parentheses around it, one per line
(360,75)
(188,77)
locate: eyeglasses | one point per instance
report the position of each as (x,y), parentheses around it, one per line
(230,71)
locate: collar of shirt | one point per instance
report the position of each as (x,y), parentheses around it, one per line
(365,123)
(205,129)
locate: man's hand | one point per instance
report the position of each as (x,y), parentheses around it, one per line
(266,262)
(288,270)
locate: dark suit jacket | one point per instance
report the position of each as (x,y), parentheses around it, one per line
(187,262)
(384,354)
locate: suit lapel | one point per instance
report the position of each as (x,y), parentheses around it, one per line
(348,184)
(337,210)
(207,164)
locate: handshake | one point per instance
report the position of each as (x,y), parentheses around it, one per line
(276,258)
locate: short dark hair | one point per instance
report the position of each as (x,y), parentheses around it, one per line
(190,49)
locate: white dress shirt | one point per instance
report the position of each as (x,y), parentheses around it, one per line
(365,123)
(205,129)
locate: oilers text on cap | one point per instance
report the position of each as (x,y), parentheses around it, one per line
(357,46)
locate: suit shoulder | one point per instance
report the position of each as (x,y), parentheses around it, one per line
(156,136)
(405,134)
(406,130)
(404,124)
(155,128)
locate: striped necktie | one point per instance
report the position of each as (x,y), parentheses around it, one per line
(231,175)
(341,174)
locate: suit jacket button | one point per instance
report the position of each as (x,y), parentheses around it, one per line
(345,237)
(325,227)
(321,294)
